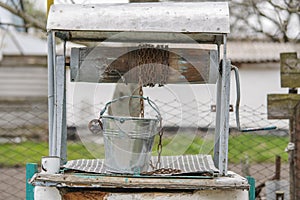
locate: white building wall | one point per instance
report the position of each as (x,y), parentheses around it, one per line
(20,82)
(257,80)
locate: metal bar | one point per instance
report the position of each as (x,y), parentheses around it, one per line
(50,40)
(31,169)
(217,128)
(218,110)
(224,115)
(60,107)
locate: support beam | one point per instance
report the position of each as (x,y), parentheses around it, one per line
(224,118)
(51,56)
(60,110)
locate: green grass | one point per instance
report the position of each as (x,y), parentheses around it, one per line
(255,148)
(31,152)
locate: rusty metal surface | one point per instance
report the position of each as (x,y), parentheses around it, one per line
(197,17)
(199,165)
(88,195)
(145,37)
(232,181)
(196,195)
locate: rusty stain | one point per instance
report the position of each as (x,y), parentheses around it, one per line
(88,195)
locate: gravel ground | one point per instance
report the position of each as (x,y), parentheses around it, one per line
(12,183)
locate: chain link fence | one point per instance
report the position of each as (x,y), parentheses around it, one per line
(189,129)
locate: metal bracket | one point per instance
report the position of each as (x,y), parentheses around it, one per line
(213,108)
(63,35)
(290,147)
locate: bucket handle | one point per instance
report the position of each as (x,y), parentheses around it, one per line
(150,102)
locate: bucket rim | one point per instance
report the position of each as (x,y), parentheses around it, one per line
(129,118)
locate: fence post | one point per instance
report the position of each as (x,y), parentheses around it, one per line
(287,106)
(31,169)
(251,182)
(296,157)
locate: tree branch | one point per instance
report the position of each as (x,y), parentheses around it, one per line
(268,35)
(259,12)
(14,25)
(27,18)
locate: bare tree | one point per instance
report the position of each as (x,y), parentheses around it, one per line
(277,20)
(31,17)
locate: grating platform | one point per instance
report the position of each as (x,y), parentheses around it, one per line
(187,164)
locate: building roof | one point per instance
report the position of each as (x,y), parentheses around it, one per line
(257,52)
(16,43)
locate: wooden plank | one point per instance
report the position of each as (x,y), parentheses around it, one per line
(281,106)
(289,70)
(108,64)
(233,181)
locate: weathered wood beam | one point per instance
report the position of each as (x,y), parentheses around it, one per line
(233,181)
(108,64)
(281,106)
(290,70)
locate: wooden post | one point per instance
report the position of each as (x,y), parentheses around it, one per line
(291,162)
(296,152)
(287,106)
(277,167)
(49,3)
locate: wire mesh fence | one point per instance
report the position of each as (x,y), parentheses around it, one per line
(189,129)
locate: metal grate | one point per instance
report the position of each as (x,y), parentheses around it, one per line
(188,164)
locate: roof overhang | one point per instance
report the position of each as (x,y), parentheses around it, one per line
(164,21)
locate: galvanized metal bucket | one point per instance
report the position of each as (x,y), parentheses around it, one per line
(128,141)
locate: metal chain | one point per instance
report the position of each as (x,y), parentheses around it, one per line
(159,145)
(153,67)
(141,93)
(162,171)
